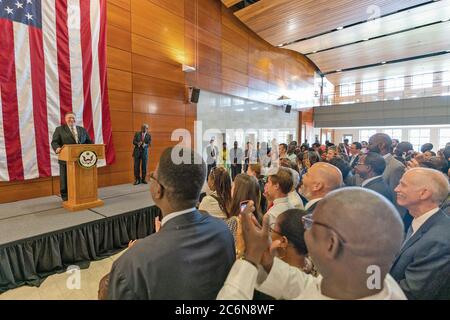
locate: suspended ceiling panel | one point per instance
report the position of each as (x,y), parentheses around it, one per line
(418,42)
(284,21)
(407,68)
(416,17)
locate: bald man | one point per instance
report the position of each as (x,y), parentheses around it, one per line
(352,237)
(318,181)
(422,267)
(381,143)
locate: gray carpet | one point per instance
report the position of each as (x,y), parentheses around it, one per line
(29,218)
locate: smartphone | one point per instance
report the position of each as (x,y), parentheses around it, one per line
(243,205)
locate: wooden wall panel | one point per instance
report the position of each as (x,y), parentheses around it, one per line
(147,42)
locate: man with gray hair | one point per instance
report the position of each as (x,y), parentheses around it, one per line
(142,140)
(422,267)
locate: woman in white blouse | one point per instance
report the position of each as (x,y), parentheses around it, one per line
(218,202)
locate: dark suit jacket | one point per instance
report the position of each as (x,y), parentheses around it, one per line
(189,258)
(143,149)
(378,185)
(392,175)
(63,135)
(422,268)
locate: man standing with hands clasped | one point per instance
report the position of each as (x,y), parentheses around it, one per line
(68,133)
(142,140)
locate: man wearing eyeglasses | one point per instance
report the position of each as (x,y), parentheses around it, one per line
(352,238)
(370,168)
(192,253)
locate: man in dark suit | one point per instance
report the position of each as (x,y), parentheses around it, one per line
(68,134)
(142,140)
(422,267)
(355,152)
(370,168)
(381,143)
(191,255)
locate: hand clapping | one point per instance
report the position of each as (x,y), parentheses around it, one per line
(257,239)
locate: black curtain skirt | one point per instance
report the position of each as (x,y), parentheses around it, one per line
(30,261)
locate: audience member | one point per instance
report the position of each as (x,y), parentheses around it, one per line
(254,170)
(217,203)
(370,168)
(282,151)
(288,243)
(331,153)
(245,188)
(191,255)
(422,267)
(355,152)
(345,169)
(381,143)
(318,181)
(277,188)
(236,157)
(352,231)
(426,147)
(403,152)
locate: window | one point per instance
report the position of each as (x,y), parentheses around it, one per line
(418,137)
(446,78)
(444,137)
(394,133)
(394,84)
(347,89)
(364,135)
(370,87)
(420,81)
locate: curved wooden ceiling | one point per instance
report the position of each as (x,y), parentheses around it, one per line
(409,32)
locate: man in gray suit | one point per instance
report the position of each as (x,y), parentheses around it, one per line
(69,133)
(422,268)
(381,143)
(191,255)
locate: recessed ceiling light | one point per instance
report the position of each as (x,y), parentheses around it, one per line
(280,45)
(315,51)
(383,62)
(338,70)
(339,28)
(366,39)
(445,20)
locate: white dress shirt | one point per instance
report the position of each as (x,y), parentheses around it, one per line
(211,205)
(175,214)
(368,180)
(311,202)
(295,200)
(419,221)
(289,283)
(280,205)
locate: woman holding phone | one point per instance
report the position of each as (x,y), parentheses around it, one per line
(244,188)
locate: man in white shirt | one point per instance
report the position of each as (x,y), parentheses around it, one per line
(422,267)
(352,238)
(279,184)
(318,181)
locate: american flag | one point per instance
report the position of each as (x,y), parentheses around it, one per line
(52,61)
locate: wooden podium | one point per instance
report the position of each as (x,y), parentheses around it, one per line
(82,174)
